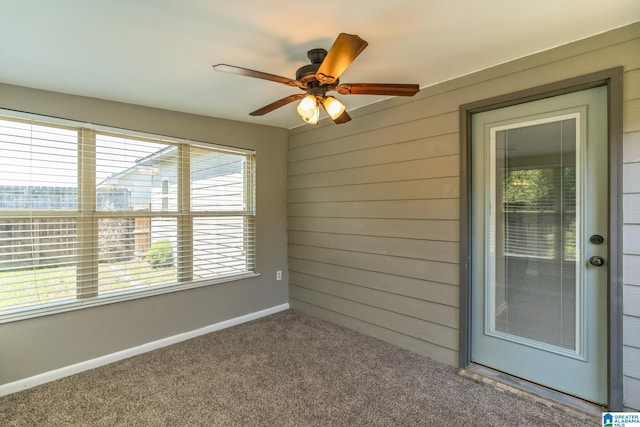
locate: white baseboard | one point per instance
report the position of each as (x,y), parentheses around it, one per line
(56,374)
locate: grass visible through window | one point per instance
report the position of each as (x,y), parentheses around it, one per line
(28,287)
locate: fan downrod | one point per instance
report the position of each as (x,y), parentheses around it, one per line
(316,56)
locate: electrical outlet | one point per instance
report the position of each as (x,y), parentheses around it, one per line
(278,275)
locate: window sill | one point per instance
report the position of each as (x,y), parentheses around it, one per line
(62,307)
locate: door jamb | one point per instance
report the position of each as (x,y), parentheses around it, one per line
(612,78)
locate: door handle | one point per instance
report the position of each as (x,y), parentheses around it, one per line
(596,261)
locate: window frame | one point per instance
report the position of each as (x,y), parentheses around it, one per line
(87,217)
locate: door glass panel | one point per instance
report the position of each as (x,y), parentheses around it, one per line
(533,282)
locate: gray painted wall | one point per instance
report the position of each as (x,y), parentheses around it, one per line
(373,204)
(30,347)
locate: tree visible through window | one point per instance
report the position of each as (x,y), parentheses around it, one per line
(533,199)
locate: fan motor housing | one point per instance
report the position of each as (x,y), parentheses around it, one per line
(307,73)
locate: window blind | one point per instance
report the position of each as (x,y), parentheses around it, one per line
(87,215)
(539,212)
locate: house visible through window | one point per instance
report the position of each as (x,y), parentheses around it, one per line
(165,194)
(90,216)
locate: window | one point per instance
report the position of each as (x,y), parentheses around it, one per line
(89,216)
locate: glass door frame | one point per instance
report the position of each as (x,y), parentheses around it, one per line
(612,78)
(492,233)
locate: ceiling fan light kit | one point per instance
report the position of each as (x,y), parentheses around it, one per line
(320,77)
(308,106)
(309,109)
(334,107)
(313,120)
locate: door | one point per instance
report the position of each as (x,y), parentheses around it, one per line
(539,244)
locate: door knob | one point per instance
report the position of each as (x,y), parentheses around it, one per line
(596,261)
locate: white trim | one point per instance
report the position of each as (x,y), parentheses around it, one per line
(578,114)
(64,306)
(56,374)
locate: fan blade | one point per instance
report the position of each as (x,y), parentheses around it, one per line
(378,89)
(345,49)
(255,74)
(275,105)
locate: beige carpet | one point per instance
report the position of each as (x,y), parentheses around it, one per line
(287,369)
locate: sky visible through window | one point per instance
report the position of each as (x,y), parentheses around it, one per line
(51,154)
(117,154)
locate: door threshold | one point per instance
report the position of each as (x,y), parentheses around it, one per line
(545,396)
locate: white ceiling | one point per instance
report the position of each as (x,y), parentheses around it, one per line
(159,52)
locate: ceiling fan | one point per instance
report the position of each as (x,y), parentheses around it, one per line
(320,77)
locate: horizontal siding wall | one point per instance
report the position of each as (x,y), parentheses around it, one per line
(373,231)
(631,247)
(373,204)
